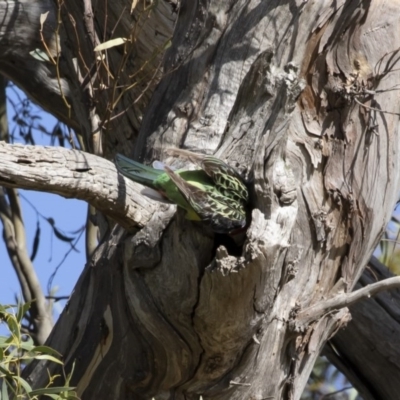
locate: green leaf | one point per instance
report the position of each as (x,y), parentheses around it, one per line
(22,310)
(4,369)
(43,18)
(61,236)
(5,341)
(167,44)
(47,357)
(51,390)
(40,55)
(134,4)
(46,350)
(4,391)
(110,43)
(14,328)
(22,382)
(28,345)
(5,307)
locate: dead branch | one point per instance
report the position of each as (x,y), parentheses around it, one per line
(75,174)
(339,301)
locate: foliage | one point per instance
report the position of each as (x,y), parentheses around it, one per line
(29,123)
(389,250)
(16,351)
(327,383)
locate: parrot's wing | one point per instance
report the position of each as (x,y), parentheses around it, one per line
(226,178)
(222,214)
(191,193)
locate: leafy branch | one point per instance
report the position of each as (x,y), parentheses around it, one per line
(16,351)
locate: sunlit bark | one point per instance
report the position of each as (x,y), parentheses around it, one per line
(299,96)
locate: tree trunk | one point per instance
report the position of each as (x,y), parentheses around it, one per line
(300,97)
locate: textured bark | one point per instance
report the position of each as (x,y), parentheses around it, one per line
(297,95)
(77,88)
(74,174)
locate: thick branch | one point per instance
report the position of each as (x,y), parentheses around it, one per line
(75,174)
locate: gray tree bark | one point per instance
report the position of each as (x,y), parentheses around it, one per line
(300,96)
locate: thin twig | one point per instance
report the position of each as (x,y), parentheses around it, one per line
(57,298)
(374,109)
(329,395)
(53,275)
(345,300)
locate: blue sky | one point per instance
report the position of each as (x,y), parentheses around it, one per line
(69,216)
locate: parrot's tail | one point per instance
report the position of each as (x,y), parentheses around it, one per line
(137,171)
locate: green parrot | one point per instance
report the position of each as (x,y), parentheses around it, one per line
(214,194)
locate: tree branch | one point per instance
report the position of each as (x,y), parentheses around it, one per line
(75,174)
(339,301)
(23,18)
(370,343)
(39,311)
(92,232)
(10,243)
(15,240)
